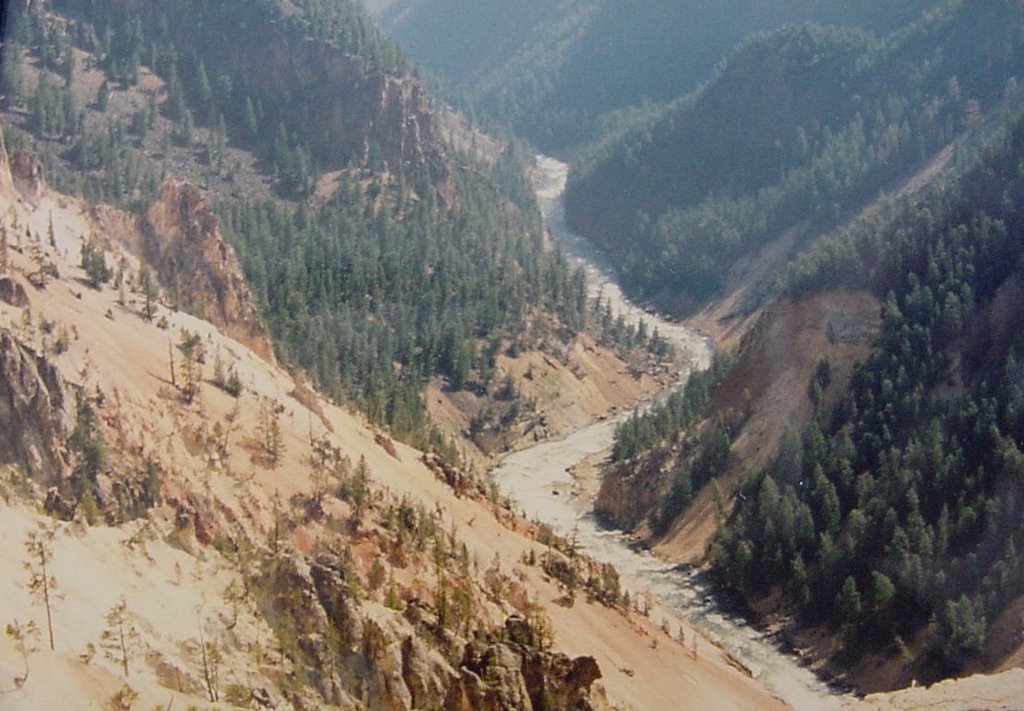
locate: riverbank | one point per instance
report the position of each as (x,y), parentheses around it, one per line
(558,488)
(540,480)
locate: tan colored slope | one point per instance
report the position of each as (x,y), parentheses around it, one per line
(174,590)
(996,692)
(766,390)
(566,391)
(171,595)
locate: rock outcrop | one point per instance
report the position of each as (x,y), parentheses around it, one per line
(380,657)
(181,238)
(518,673)
(12,292)
(33,418)
(27,174)
(6,180)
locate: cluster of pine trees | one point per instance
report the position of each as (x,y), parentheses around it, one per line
(902,509)
(796,131)
(90,159)
(665,421)
(373,300)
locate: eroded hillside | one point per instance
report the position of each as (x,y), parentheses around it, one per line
(218,533)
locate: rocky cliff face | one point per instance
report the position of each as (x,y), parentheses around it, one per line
(27,174)
(6,180)
(354,107)
(180,237)
(21,174)
(380,660)
(33,416)
(629,494)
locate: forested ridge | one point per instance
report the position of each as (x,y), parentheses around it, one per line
(889,521)
(211,99)
(425,261)
(797,130)
(902,508)
(560,73)
(893,519)
(373,302)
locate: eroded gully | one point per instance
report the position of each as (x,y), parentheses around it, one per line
(539,481)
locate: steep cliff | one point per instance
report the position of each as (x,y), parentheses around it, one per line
(181,239)
(34,420)
(761,394)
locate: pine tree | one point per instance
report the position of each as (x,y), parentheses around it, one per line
(268,430)
(41,583)
(86,441)
(4,250)
(103,96)
(251,124)
(191,348)
(149,293)
(94,262)
(848,602)
(120,639)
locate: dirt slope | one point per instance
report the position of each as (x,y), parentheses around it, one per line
(218,497)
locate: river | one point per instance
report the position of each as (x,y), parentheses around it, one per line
(538,479)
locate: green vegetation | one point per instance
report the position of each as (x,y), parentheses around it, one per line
(86,442)
(424,262)
(374,301)
(94,262)
(796,132)
(667,420)
(561,72)
(902,510)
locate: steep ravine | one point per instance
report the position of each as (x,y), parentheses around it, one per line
(539,480)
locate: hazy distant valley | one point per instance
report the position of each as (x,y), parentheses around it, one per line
(316,392)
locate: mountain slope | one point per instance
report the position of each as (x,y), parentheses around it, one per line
(380,254)
(551,70)
(860,451)
(309,560)
(834,118)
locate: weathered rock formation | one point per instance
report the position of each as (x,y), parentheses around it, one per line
(27,174)
(13,293)
(33,418)
(181,239)
(379,658)
(6,181)
(20,173)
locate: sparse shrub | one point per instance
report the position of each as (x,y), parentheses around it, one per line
(123,699)
(238,695)
(25,637)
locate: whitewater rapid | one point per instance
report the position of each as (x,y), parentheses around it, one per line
(539,481)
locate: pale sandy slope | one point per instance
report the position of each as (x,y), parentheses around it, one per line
(174,591)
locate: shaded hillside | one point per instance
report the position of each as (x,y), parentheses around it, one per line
(551,70)
(853,472)
(882,508)
(797,130)
(911,486)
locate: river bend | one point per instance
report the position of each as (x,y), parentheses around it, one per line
(539,481)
